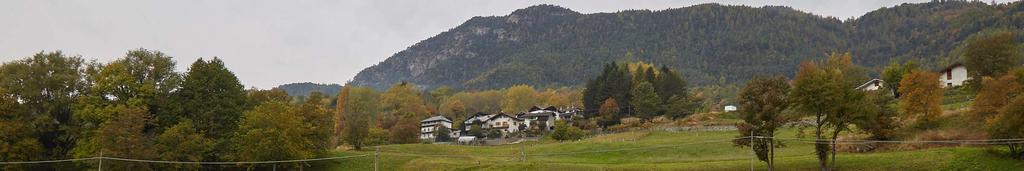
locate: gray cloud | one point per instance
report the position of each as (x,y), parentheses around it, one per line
(267,43)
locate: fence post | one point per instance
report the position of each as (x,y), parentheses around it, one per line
(752,150)
(522,152)
(376,156)
(100,168)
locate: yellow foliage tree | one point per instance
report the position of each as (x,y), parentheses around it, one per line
(994,94)
(921,96)
(518,98)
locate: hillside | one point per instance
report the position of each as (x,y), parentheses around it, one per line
(303,89)
(548,45)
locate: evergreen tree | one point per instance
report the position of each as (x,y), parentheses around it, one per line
(645,102)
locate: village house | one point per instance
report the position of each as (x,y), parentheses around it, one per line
(544,119)
(536,118)
(873,84)
(953,75)
(431,124)
(476,119)
(502,122)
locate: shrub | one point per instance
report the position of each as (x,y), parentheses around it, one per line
(377,136)
(630,122)
(564,132)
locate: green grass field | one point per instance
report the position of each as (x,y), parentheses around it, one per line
(658,150)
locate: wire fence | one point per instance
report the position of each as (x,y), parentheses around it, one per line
(523,155)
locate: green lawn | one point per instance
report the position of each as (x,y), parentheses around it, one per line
(657,150)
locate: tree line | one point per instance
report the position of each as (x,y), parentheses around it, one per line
(825,93)
(57,106)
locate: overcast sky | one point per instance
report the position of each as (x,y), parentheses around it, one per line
(268,43)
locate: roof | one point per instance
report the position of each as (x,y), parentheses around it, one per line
(501,114)
(551,108)
(436,118)
(539,113)
(479,116)
(534,108)
(951,66)
(869,83)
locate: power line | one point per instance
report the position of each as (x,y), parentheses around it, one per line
(183,162)
(228,163)
(969,142)
(48,161)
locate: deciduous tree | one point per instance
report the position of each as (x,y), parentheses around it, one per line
(762,103)
(360,108)
(894,73)
(183,142)
(607,114)
(123,137)
(17,137)
(47,84)
(1007,125)
(994,95)
(317,122)
(519,98)
(339,115)
(401,101)
(271,131)
(566,132)
(212,97)
(922,96)
(991,54)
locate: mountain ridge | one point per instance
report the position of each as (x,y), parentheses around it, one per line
(547,45)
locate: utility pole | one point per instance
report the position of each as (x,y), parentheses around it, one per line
(376,156)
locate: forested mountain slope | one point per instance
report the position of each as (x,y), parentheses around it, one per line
(304,89)
(548,45)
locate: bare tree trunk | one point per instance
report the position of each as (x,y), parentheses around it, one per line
(771,151)
(835,135)
(822,155)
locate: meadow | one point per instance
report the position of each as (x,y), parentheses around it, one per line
(659,150)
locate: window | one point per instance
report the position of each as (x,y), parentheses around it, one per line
(949,75)
(949,84)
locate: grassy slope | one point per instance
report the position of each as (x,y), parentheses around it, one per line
(678,151)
